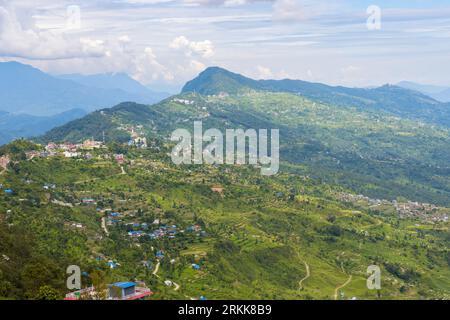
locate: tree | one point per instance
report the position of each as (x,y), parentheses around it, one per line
(47,293)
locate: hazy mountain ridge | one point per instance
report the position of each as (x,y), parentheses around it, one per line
(14,126)
(117,81)
(24,89)
(439,93)
(388,98)
(33,102)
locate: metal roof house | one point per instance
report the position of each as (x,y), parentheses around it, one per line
(127,291)
(115,291)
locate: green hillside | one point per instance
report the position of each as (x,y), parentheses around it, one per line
(388,98)
(373,153)
(357,187)
(284,237)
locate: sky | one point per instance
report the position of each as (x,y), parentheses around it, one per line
(164,43)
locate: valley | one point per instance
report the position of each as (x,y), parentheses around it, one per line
(355,188)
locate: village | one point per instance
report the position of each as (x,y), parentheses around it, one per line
(405,210)
(112,218)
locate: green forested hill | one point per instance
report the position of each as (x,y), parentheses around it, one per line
(370,152)
(388,98)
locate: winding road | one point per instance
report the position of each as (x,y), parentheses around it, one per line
(300,283)
(308,273)
(104,226)
(336,291)
(155,272)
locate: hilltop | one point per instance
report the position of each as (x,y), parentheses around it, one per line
(391,99)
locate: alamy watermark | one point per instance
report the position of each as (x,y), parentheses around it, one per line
(374,20)
(374,280)
(241,147)
(73,15)
(74,280)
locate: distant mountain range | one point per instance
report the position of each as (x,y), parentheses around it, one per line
(396,100)
(33,102)
(437,92)
(117,81)
(14,126)
(24,89)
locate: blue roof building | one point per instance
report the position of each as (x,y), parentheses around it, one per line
(122,289)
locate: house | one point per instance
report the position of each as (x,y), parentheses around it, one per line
(91,144)
(122,289)
(120,159)
(87,201)
(114,214)
(195,266)
(112,265)
(127,291)
(32,154)
(115,291)
(184,101)
(4,161)
(147,264)
(217,189)
(9,191)
(51,147)
(70,154)
(194,228)
(168,283)
(139,142)
(135,234)
(68,147)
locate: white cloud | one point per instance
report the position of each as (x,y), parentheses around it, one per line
(292,10)
(226,3)
(203,48)
(264,72)
(329,36)
(197,66)
(148,69)
(32,43)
